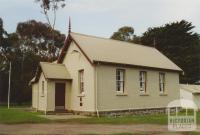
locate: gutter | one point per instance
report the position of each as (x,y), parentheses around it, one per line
(139,66)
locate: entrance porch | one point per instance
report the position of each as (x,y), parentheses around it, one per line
(58,96)
(51,88)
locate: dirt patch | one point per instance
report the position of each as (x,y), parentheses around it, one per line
(74,129)
(62,117)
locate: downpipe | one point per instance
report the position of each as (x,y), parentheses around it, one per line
(96,95)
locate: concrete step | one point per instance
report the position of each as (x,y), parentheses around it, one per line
(64,114)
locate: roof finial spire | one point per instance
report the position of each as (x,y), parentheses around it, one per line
(69,30)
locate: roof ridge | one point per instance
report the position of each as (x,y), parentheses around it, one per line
(114,40)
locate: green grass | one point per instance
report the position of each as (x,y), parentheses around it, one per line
(148,119)
(18,115)
(145,119)
(192,133)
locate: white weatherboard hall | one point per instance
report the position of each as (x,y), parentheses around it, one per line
(190,92)
(96,76)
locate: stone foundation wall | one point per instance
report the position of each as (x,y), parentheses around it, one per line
(134,112)
(116,113)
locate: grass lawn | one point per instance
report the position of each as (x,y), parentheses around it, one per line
(18,115)
(148,119)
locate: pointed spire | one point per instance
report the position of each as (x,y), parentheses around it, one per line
(69,30)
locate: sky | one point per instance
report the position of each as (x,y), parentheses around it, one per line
(103,17)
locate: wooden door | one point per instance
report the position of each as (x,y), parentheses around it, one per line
(60,96)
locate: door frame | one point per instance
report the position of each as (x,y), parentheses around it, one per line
(60,107)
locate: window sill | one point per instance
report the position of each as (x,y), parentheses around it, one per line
(163,94)
(81,95)
(121,94)
(144,94)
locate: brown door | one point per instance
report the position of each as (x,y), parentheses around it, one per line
(60,96)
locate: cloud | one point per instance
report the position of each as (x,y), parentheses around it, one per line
(103,17)
(94,6)
(131,5)
(140,13)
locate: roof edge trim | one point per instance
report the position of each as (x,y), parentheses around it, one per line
(67,43)
(136,66)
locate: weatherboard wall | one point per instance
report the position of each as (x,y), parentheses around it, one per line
(109,99)
(42,98)
(35,95)
(188,95)
(75,61)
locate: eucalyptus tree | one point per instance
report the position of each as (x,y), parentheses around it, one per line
(49,9)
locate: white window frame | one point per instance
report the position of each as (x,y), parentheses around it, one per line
(81,81)
(120,80)
(143,81)
(162,83)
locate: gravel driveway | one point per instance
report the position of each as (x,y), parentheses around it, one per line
(74,129)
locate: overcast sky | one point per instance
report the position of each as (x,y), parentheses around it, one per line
(103,17)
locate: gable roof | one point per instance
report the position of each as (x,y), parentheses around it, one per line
(194,89)
(52,71)
(113,51)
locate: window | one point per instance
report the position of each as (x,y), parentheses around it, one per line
(81,81)
(81,101)
(120,80)
(143,79)
(42,88)
(162,82)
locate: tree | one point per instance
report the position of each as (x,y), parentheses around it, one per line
(50,8)
(177,41)
(2,33)
(3,46)
(25,49)
(125,33)
(51,5)
(38,38)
